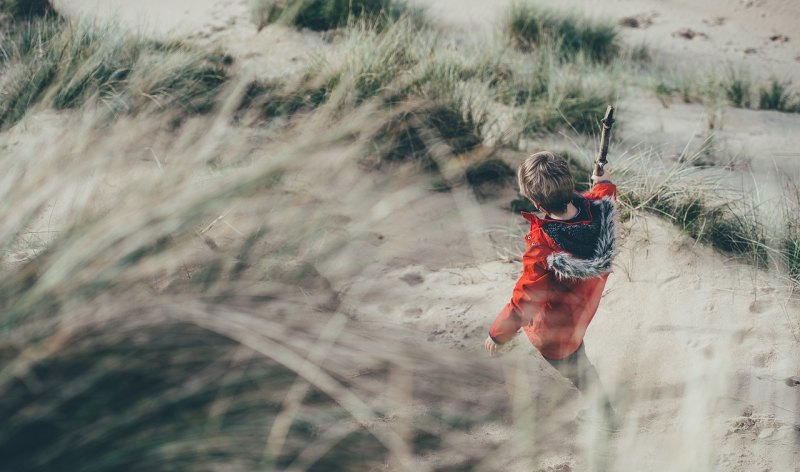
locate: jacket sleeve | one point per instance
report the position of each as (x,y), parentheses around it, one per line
(601,190)
(530,291)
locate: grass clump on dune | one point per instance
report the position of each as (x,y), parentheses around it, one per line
(547,95)
(489,176)
(531,26)
(273,99)
(703,210)
(736,87)
(484,81)
(563,79)
(323,15)
(739,89)
(63,64)
(775,94)
(25,9)
(790,250)
(778,95)
(429,97)
(569,102)
(427,133)
(789,238)
(443,98)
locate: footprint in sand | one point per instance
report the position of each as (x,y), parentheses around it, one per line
(708,351)
(755,426)
(716,21)
(413,278)
(759,306)
(413,312)
(438,333)
(741,335)
(779,38)
(688,33)
(764,358)
(642,20)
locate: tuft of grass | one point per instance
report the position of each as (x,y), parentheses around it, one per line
(570,108)
(377,63)
(27,9)
(778,95)
(489,176)
(67,64)
(420,127)
(667,83)
(278,99)
(323,15)
(789,239)
(706,212)
(545,94)
(640,54)
(530,26)
(790,250)
(573,99)
(736,88)
(715,102)
(431,96)
(739,89)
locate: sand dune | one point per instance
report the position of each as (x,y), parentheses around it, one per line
(696,347)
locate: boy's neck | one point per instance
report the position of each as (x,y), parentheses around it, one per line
(568,214)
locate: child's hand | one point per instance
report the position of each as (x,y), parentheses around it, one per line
(606,177)
(490,346)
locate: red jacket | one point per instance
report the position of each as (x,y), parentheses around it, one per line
(564,271)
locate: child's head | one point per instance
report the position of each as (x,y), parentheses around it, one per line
(545,179)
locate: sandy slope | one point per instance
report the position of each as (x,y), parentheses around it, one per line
(695,346)
(756,32)
(174,17)
(737,31)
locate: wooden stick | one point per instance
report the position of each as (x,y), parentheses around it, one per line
(607,122)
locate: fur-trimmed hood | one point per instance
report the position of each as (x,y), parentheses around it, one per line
(584,249)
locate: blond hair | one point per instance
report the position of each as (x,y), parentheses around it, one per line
(546,179)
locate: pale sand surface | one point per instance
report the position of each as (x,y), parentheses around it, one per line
(730,26)
(695,346)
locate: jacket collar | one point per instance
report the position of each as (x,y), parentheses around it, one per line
(535,220)
(531,217)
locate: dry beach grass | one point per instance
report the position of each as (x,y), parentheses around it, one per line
(210,271)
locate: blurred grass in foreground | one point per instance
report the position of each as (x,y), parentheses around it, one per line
(144,337)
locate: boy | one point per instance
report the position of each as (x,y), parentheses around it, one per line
(565,267)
